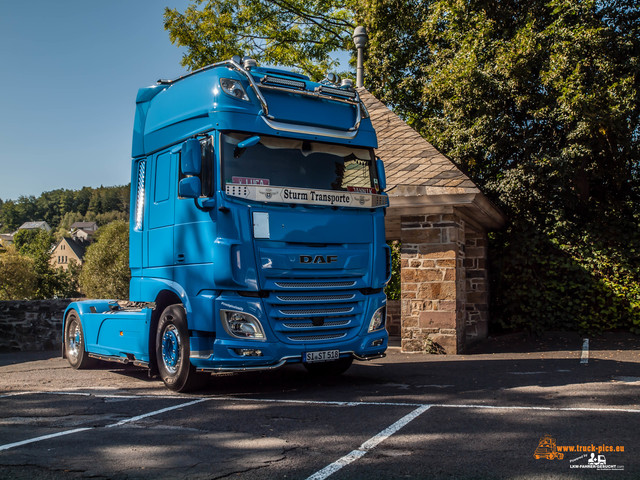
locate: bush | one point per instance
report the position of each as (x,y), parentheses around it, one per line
(105,273)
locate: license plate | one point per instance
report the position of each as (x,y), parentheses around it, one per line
(325,356)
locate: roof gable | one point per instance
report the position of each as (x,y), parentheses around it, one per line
(78,248)
(419,177)
(408,158)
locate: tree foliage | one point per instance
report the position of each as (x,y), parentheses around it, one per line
(105,273)
(17,276)
(294,33)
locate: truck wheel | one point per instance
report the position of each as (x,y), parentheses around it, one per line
(74,343)
(336,367)
(172,351)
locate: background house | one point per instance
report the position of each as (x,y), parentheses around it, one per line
(73,247)
(34,226)
(83,231)
(6,239)
(66,250)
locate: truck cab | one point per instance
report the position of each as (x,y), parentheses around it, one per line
(256,231)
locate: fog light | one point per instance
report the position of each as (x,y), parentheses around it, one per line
(377,343)
(248,352)
(242,325)
(378,319)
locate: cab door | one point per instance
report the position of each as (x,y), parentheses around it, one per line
(161,215)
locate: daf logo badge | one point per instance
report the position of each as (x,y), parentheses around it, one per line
(318,259)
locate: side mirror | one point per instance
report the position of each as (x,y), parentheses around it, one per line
(382,176)
(189,187)
(191,157)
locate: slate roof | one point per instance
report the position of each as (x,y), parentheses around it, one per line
(35,225)
(408,158)
(85,225)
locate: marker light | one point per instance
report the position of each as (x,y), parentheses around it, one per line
(339,92)
(233,88)
(242,325)
(283,82)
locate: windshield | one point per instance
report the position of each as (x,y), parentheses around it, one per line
(296,163)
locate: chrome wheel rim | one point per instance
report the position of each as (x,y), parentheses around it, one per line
(171,349)
(74,338)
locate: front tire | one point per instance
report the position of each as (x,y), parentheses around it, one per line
(76,354)
(328,369)
(172,351)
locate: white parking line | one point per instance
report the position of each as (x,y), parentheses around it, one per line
(121,422)
(584,359)
(157,412)
(370,444)
(44,437)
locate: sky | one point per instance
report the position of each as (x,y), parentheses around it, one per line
(69,74)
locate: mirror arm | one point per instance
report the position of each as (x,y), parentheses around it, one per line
(204,207)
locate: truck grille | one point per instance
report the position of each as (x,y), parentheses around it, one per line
(320,284)
(316,316)
(316,298)
(308,325)
(317,311)
(317,338)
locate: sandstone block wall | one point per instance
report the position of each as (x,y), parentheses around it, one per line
(394,317)
(444,283)
(477,285)
(433,282)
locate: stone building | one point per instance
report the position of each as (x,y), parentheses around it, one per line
(442,220)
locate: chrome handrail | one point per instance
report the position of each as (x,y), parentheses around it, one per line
(269,119)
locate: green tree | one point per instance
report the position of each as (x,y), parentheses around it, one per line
(18,280)
(295,33)
(37,245)
(105,273)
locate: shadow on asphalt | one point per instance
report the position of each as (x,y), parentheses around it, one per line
(556,341)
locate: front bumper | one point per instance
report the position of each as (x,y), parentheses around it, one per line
(227,356)
(224,352)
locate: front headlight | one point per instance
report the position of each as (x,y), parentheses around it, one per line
(378,319)
(242,325)
(233,88)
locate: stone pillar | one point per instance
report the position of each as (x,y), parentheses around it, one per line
(477,285)
(433,283)
(394,318)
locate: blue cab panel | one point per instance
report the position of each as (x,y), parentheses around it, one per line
(256,230)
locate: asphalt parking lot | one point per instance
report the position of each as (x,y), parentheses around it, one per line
(484,415)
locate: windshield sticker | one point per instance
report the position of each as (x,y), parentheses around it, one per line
(250,181)
(361,189)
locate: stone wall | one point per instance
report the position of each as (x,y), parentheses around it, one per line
(394,317)
(31,325)
(433,283)
(477,286)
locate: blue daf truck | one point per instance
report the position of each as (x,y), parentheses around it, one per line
(256,231)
